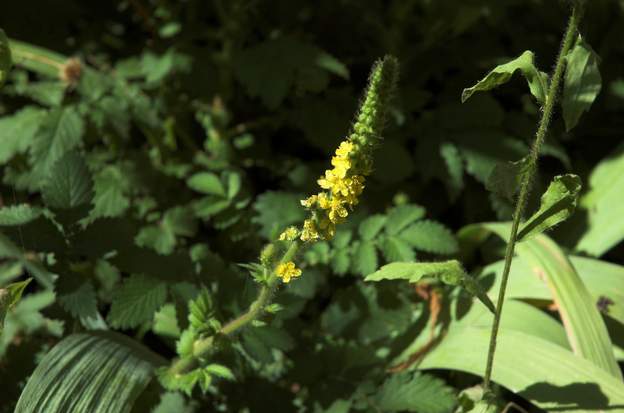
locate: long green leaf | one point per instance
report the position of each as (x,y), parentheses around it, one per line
(98,372)
(549,376)
(586,330)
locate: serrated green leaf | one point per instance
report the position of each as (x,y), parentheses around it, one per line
(166,322)
(538,81)
(370,227)
(401,216)
(271,69)
(396,249)
(342,238)
(162,238)
(111,186)
(5,57)
(60,132)
(341,261)
(136,301)
(69,184)
(415,392)
(18,215)
(276,211)
(220,371)
(206,183)
(582,82)
(103,372)
(9,296)
(506,178)
(82,304)
(430,236)
(450,271)
(557,204)
(17,131)
(184,345)
(364,260)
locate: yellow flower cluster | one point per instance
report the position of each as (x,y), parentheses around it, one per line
(289,234)
(287,270)
(343,186)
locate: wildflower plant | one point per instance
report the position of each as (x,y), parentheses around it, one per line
(188,223)
(343,184)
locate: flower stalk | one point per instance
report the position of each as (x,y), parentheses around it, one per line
(343,184)
(527,181)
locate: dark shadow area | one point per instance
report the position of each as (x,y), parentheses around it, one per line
(575,396)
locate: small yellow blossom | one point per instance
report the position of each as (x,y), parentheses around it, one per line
(309,233)
(289,234)
(287,270)
(309,202)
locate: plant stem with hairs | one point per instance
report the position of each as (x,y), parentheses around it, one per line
(525,188)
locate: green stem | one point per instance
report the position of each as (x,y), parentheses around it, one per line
(203,346)
(527,181)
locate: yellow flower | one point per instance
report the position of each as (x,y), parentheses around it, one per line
(324,201)
(344,149)
(289,234)
(287,270)
(309,202)
(309,233)
(341,166)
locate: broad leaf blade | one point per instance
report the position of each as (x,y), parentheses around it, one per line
(603,205)
(99,372)
(546,374)
(538,81)
(582,82)
(586,330)
(69,184)
(557,204)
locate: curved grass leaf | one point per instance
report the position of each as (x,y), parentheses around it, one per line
(538,81)
(98,372)
(586,330)
(546,374)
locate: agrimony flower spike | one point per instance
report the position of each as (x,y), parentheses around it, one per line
(353,160)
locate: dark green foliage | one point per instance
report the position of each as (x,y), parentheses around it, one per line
(137,178)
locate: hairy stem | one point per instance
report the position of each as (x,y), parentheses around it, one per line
(525,188)
(203,346)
